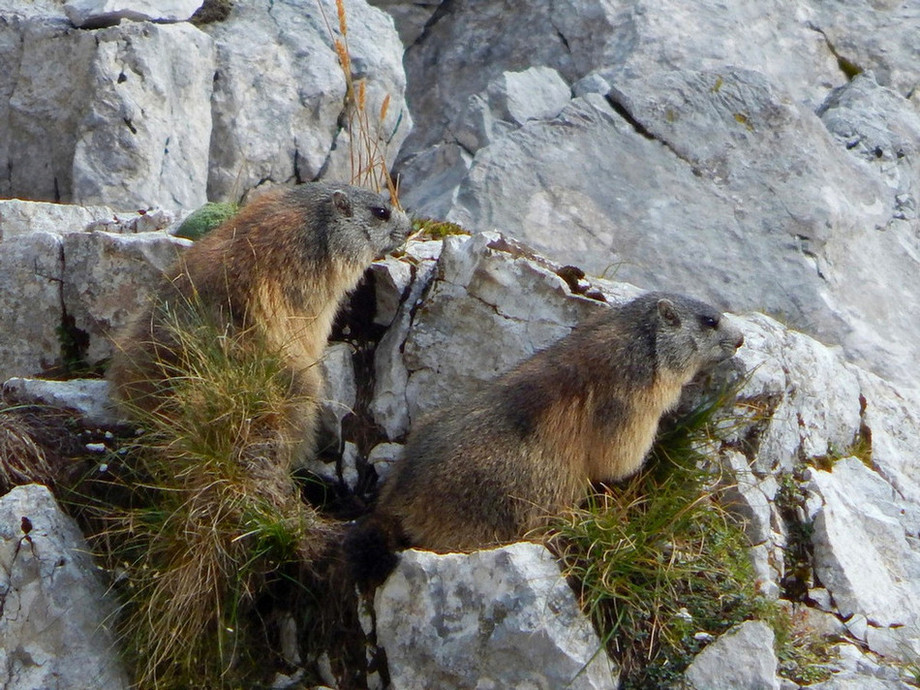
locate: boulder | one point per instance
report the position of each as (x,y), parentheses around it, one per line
(786,372)
(863,555)
(490,306)
(880,38)
(689,164)
(31,316)
(497,618)
(741,659)
(55,617)
(341,392)
(116,126)
(19,217)
(144,136)
(469,43)
(67,288)
(279,92)
(90,398)
(410,17)
(107,280)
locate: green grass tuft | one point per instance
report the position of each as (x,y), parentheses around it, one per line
(659,565)
(213,517)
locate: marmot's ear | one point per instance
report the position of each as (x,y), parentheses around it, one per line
(668,312)
(342,203)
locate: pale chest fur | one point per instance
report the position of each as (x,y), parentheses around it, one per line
(620,451)
(604,452)
(301,331)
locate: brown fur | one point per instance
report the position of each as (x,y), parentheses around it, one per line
(275,274)
(527,446)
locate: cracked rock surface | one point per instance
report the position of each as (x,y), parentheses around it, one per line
(54,615)
(748,167)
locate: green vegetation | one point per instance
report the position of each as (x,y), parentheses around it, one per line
(435,229)
(659,564)
(74,344)
(210,521)
(803,654)
(201,221)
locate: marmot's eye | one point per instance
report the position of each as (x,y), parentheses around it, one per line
(381,212)
(710,321)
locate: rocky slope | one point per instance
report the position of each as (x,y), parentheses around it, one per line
(762,156)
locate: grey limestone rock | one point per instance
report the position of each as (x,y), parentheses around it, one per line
(498,618)
(143,140)
(410,17)
(340,392)
(741,659)
(31,271)
(55,617)
(863,554)
(61,280)
(96,13)
(107,280)
(117,126)
(279,92)
(788,372)
(89,397)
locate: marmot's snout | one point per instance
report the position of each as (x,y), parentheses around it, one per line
(731,340)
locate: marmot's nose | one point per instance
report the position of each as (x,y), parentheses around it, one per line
(740,341)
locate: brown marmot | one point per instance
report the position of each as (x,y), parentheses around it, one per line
(529,444)
(277,272)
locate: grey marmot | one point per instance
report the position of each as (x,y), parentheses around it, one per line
(530,443)
(277,271)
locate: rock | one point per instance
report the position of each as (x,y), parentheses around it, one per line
(744,498)
(19,217)
(862,554)
(686,137)
(892,414)
(467,44)
(341,391)
(410,17)
(882,128)
(117,126)
(881,40)
(48,10)
(742,658)
(511,100)
(91,14)
(89,397)
(788,371)
(143,141)
(489,308)
(498,618)
(55,617)
(107,280)
(383,456)
(281,127)
(31,271)
(389,404)
(392,278)
(68,290)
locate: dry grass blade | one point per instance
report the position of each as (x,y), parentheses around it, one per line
(367,140)
(22,459)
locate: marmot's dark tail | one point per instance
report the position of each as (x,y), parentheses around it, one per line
(370,549)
